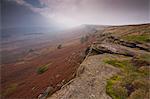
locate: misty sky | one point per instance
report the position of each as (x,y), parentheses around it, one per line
(38,13)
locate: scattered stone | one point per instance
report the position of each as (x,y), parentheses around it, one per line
(47,92)
(33,88)
(57,76)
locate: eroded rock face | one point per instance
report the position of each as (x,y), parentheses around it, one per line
(92,75)
(90,82)
(114,49)
(110,38)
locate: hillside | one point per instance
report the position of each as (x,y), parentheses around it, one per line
(116,66)
(30,62)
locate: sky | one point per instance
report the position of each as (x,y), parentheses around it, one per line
(69,13)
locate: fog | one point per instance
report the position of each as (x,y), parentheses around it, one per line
(69,13)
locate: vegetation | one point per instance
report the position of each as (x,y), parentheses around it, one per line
(30,50)
(84,39)
(118,63)
(132,83)
(114,89)
(59,46)
(42,69)
(10,89)
(144,57)
(138,94)
(138,38)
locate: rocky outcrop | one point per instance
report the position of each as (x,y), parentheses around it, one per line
(90,81)
(111,38)
(113,49)
(91,77)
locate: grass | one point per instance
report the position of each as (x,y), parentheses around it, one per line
(138,38)
(130,83)
(144,70)
(125,65)
(138,94)
(115,92)
(145,57)
(10,89)
(42,69)
(117,63)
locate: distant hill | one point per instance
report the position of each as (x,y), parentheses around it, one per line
(5,33)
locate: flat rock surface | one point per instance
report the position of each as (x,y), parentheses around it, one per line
(90,82)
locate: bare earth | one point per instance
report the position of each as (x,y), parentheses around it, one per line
(19,76)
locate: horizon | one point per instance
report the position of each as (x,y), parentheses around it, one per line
(72,13)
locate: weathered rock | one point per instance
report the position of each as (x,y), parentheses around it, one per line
(48,91)
(113,49)
(139,63)
(117,40)
(90,81)
(91,76)
(144,47)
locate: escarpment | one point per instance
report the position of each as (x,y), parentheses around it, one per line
(112,58)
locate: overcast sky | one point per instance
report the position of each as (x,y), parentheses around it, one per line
(75,12)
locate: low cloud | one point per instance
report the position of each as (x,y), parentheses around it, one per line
(92,11)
